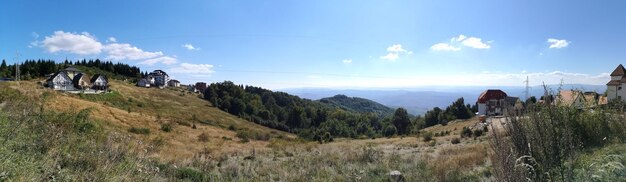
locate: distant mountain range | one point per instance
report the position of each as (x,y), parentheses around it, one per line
(420,99)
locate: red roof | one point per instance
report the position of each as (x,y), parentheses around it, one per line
(491,94)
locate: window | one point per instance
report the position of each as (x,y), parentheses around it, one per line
(619,97)
(619,88)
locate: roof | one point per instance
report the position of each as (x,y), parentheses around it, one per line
(568,97)
(174,81)
(95,77)
(491,94)
(55,75)
(71,69)
(619,71)
(613,83)
(80,76)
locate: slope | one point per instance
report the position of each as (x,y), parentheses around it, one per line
(189,116)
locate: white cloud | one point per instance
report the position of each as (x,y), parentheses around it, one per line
(457,42)
(193,68)
(476,43)
(83,43)
(190,47)
(112,39)
(34,34)
(557,44)
(126,51)
(87,44)
(164,60)
(396,48)
(444,47)
(347,61)
(391,56)
(394,52)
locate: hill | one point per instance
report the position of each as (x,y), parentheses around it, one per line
(356,104)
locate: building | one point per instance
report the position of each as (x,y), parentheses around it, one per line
(81,81)
(192,88)
(60,81)
(571,98)
(158,78)
(71,71)
(200,87)
(615,87)
(143,83)
(173,83)
(492,102)
(99,82)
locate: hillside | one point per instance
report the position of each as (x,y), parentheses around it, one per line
(129,107)
(356,104)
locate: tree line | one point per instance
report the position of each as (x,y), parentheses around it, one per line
(30,69)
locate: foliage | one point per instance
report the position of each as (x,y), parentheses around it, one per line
(457,110)
(356,104)
(401,121)
(30,69)
(428,136)
(543,143)
(166,127)
(455,141)
(143,131)
(340,116)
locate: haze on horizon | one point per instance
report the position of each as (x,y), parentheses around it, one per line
(359,44)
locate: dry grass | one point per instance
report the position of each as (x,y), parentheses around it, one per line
(152,107)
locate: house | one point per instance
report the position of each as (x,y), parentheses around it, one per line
(173,83)
(143,83)
(571,98)
(492,102)
(200,86)
(615,87)
(60,81)
(192,88)
(99,82)
(158,78)
(81,81)
(71,71)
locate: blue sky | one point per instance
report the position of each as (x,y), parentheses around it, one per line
(350,44)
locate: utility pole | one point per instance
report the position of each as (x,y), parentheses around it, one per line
(527,89)
(17,66)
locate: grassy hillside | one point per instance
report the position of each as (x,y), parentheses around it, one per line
(356,104)
(129,108)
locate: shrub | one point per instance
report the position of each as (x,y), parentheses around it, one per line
(203,137)
(143,131)
(466,132)
(478,133)
(432,143)
(190,174)
(390,130)
(428,136)
(455,141)
(166,127)
(232,127)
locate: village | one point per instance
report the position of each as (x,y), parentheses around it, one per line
(491,102)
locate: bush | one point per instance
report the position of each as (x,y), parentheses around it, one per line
(478,133)
(428,136)
(166,127)
(390,130)
(143,131)
(203,137)
(190,174)
(466,132)
(455,141)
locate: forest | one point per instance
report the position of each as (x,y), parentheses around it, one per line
(338,116)
(30,69)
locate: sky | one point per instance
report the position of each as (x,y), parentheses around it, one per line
(330,43)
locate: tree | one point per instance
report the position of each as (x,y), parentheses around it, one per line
(390,130)
(401,120)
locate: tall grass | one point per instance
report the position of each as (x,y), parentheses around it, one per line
(543,143)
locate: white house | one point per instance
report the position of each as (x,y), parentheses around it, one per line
(143,83)
(60,81)
(158,78)
(173,83)
(492,102)
(615,87)
(99,82)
